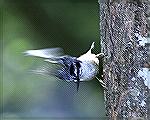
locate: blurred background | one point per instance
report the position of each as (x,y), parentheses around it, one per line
(34,24)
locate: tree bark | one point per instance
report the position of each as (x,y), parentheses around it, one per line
(124,31)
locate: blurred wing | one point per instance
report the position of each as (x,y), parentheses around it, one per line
(45,53)
(61,68)
(46,69)
(53,70)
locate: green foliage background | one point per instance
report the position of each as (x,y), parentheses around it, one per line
(34,24)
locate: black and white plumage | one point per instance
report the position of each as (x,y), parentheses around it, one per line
(83,68)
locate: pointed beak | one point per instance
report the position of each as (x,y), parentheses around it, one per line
(100,55)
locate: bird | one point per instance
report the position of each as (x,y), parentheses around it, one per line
(68,68)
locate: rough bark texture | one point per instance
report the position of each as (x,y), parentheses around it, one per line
(123,29)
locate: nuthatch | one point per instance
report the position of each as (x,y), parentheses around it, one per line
(77,69)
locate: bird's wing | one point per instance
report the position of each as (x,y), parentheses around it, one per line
(45,53)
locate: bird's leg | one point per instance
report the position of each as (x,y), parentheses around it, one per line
(101,82)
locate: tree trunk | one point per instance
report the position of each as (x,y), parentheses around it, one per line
(123,30)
